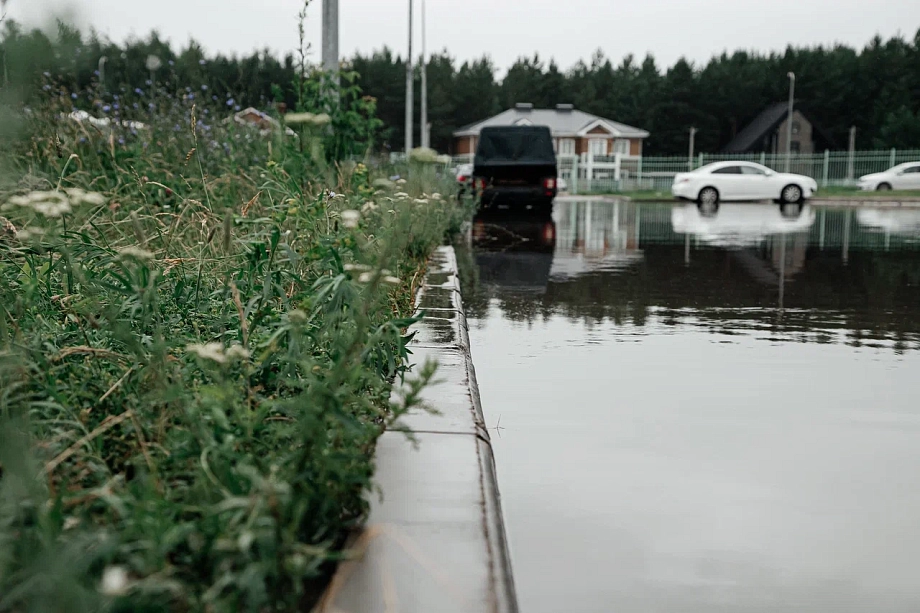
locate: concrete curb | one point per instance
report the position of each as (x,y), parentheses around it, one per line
(436,541)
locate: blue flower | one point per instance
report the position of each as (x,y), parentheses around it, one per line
(236,108)
(73,96)
(201,62)
(136,106)
(115,97)
(231,102)
(204,88)
(171,63)
(151,106)
(121,141)
(106,108)
(138,91)
(115,106)
(47,88)
(47,74)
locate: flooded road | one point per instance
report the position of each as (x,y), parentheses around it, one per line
(706,415)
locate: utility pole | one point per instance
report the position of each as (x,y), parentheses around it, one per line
(851,159)
(102,62)
(693,132)
(791,76)
(331,39)
(410,103)
(426,138)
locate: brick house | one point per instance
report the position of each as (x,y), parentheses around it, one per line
(575,133)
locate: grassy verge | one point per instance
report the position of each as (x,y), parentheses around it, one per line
(200,327)
(851,193)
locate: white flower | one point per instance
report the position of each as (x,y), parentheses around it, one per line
(210,351)
(436,196)
(401,181)
(115,581)
(357,268)
(350,218)
(391,280)
(237,352)
(366,277)
(298,118)
(297,316)
(421,201)
(332,194)
(136,253)
(368,206)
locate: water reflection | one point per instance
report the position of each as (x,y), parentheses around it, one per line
(816,276)
(703,414)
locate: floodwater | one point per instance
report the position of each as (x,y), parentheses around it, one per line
(703,415)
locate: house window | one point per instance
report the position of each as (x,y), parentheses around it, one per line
(621,147)
(796,127)
(795,146)
(566,146)
(598,146)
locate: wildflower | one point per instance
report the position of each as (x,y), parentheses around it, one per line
(357,268)
(237,352)
(28,234)
(365,277)
(106,108)
(115,581)
(436,196)
(210,351)
(368,206)
(231,102)
(298,118)
(332,194)
(401,181)
(204,88)
(391,280)
(73,96)
(79,196)
(48,204)
(298,316)
(135,253)
(420,201)
(350,218)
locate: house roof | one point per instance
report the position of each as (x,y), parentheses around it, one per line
(561,122)
(753,133)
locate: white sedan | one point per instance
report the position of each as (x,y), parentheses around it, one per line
(719,181)
(903,176)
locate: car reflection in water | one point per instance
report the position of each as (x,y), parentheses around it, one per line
(767,241)
(514,252)
(891,222)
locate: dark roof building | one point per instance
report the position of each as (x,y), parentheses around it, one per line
(767,133)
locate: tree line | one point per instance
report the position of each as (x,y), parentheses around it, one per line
(876,88)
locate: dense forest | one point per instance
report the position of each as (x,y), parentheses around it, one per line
(876,89)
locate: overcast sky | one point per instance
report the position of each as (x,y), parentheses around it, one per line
(567,30)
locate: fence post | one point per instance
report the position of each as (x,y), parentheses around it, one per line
(616,167)
(701,160)
(763,158)
(827,163)
(639,173)
(894,157)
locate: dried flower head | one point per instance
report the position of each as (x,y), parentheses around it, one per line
(350,218)
(115,581)
(135,253)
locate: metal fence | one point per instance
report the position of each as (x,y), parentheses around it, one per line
(605,174)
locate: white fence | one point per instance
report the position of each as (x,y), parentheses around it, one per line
(587,173)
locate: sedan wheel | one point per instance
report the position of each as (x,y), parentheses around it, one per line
(883,187)
(792,193)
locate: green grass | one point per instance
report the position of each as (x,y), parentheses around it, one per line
(196,359)
(851,193)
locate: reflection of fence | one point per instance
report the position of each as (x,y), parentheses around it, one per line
(587,173)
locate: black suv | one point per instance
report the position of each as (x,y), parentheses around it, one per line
(515,167)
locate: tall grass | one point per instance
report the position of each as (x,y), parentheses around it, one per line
(200,327)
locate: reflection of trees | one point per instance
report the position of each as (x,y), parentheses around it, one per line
(877,296)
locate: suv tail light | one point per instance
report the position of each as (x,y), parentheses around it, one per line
(549,184)
(462,178)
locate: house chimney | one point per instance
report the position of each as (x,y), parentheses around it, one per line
(565,108)
(524,106)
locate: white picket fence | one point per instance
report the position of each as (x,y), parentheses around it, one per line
(609,173)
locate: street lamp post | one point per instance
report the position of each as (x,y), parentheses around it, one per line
(693,132)
(331,38)
(410,103)
(789,121)
(425,136)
